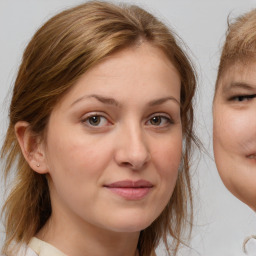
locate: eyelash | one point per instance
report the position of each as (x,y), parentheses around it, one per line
(241,98)
(86,120)
(166,118)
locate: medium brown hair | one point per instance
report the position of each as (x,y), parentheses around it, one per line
(240,43)
(59,53)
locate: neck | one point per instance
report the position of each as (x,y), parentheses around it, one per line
(84,239)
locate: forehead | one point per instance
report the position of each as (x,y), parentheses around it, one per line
(237,73)
(141,69)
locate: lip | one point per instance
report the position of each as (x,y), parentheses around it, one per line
(131,190)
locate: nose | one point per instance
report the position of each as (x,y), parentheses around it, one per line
(132,149)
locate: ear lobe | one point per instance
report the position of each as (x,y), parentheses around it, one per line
(31,147)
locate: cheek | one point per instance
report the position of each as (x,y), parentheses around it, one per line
(233,130)
(234,137)
(167,157)
(75,169)
(226,140)
(74,158)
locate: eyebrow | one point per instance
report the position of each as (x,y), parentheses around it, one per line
(105,100)
(162,100)
(111,101)
(239,85)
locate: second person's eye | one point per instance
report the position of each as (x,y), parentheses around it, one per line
(241,98)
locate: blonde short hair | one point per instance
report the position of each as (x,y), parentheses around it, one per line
(240,43)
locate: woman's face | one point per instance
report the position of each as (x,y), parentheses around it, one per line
(114,143)
(234,131)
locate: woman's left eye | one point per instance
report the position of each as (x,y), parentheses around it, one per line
(159,121)
(96,121)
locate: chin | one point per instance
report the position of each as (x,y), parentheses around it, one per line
(247,197)
(253,207)
(131,224)
(251,203)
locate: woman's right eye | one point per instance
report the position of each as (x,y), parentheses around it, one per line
(241,98)
(95,121)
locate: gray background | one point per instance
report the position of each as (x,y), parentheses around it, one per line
(221,221)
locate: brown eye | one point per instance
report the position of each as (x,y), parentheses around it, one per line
(156,120)
(160,121)
(94,120)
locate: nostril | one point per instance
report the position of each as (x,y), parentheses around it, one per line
(126,164)
(134,166)
(132,154)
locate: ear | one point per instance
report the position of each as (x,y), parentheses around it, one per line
(31,146)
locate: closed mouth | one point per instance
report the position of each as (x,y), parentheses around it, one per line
(130,190)
(130,184)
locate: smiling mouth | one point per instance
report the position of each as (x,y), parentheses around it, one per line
(131,190)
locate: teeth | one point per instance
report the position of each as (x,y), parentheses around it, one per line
(252,156)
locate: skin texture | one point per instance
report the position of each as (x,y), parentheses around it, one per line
(121,121)
(234,129)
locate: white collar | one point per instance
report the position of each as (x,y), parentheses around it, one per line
(44,249)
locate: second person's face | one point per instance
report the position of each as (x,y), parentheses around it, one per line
(234,131)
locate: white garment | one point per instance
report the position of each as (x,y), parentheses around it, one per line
(27,252)
(42,248)
(36,247)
